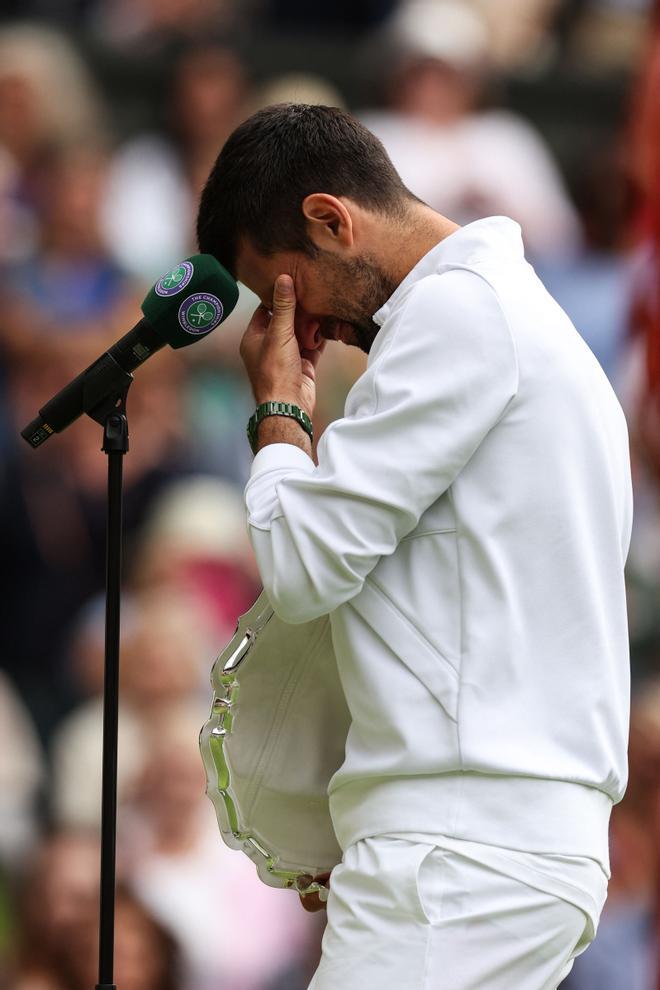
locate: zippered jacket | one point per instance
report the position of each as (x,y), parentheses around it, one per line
(466,529)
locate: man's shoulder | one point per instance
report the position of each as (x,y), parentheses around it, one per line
(452,292)
(449,320)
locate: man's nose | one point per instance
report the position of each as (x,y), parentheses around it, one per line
(307,331)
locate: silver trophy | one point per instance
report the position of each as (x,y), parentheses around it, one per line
(276,735)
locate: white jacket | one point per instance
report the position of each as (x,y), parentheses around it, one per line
(466,528)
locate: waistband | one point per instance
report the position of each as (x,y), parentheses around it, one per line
(532,814)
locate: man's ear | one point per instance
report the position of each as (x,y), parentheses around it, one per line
(329,221)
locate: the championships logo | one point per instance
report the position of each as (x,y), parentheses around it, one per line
(200,313)
(175,281)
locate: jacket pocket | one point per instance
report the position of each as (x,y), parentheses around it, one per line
(421,658)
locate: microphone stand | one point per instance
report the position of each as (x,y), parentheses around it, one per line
(100,391)
(111,414)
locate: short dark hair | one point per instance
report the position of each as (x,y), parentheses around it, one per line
(276,158)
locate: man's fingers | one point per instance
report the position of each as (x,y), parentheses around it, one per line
(312,902)
(283,291)
(284,304)
(253,337)
(313,355)
(259,320)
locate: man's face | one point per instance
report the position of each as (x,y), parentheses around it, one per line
(336,296)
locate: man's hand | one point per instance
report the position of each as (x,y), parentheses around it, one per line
(312,902)
(278,370)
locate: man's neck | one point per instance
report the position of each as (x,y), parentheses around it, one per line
(422,229)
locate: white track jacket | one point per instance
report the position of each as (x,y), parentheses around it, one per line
(466,529)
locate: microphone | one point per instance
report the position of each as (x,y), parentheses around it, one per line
(184,305)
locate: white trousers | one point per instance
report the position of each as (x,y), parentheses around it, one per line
(409,915)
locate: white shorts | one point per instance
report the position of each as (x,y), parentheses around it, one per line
(412,915)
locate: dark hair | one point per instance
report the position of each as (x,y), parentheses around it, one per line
(276,158)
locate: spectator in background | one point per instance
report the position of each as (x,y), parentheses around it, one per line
(68,286)
(47,100)
(66,297)
(520,32)
(623,953)
(146,956)
(58,892)
(607,35)
(235,932)
(58,925)
(640,374)
(164,656)
(593,282)
(17,223)
(465,163)
(155,180)
(151,28)
(61,307)
(645,167)
(22,774)
(194,547)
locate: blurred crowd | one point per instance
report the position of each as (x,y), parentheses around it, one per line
(111,115)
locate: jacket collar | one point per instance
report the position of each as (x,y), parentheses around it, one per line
(466,247)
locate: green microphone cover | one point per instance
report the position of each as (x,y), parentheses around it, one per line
(190,300)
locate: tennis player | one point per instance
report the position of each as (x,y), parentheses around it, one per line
(465,526)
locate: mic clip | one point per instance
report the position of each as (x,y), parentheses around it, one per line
(95,391)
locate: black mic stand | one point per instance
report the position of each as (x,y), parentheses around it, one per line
(111,414)
(100,391)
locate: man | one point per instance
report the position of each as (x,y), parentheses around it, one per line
(465,529)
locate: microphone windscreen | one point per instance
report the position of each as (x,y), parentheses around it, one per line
(190,300)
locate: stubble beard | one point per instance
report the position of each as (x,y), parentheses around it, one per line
(357,289)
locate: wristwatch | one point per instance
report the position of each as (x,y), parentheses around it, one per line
(277,409)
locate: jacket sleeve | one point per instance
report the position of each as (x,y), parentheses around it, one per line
(440,379)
